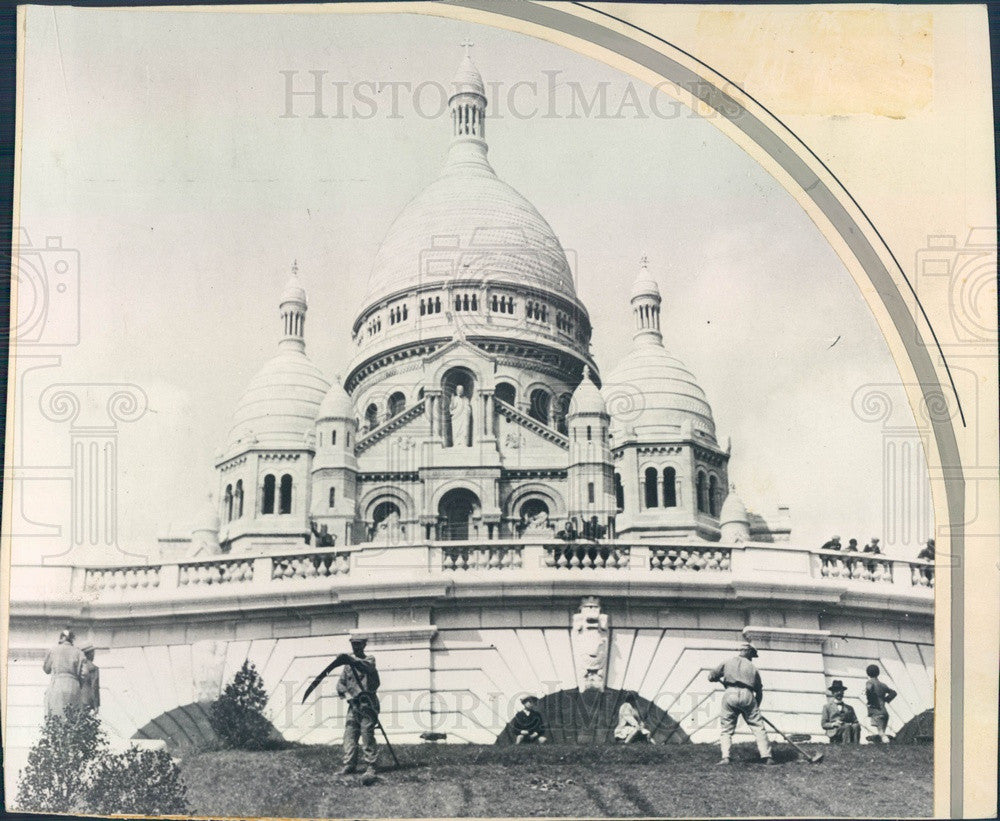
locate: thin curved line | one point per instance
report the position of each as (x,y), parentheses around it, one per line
(843,187)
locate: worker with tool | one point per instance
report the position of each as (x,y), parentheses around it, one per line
(742,697)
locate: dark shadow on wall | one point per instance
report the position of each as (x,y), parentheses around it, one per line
(572,717)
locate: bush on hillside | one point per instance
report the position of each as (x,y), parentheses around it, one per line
(237,716)
(70,769)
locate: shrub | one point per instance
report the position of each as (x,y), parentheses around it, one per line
(55,777)
(237,716)
(145,782)
(70,769)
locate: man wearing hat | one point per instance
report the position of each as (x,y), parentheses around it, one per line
(833,544)
(744,691)
(528,724)
(90,680)
(358,683)
(839,719)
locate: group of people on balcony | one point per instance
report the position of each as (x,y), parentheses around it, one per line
(852,546)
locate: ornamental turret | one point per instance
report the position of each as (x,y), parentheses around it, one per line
(590,474)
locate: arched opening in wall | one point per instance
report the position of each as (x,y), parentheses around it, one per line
(227,504)
(457,387)
(534,514)
(267,495)
(619,493)
(540,405)
(561,412)
(506,393)
(713,495)
(702,492)
(397,404)
(188,728)
(455,513)
(371,416)
(669,487)
(651,491)
(590,717)
(239,499)
(285,494)
(385,522)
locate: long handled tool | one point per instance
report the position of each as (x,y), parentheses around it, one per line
(812,759)
(342,659)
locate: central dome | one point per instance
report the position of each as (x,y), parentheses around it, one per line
(469,224)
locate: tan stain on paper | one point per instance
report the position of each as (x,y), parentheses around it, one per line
(826,62)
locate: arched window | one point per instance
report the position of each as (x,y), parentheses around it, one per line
(267,497)
(619,493)
(652,496)
(494,304)
(589,433)
(333,436)
(506,393)
(228,504)
(333,496)
(539,408)
(669,487)
(371,416)
(437,304)
(713,495)
(700,489)
(285,494)
(239,498)
(590,493)
(397,403)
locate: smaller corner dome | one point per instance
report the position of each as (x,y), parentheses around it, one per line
(336,404)
(467,79)
(733,510)
(280,403)
(587,397)
(207,517)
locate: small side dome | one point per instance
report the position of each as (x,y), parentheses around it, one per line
(207,517)
(734,523)
(336,404)
(733,510)
(587,398)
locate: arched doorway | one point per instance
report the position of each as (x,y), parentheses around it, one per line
(506,393)
(572,717)
(455,512)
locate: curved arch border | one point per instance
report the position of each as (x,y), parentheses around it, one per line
(522,492)
(854,233)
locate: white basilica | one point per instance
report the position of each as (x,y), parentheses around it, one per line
(473,408)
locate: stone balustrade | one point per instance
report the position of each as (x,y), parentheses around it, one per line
(717,559)
(142,577)
(317,564)
(481,557)
(545,562)
(587,556)
(234,570)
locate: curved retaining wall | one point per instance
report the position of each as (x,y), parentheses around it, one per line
(461,631)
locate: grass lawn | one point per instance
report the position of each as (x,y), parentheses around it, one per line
(470,780)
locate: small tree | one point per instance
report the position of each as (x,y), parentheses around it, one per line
(55,777)
(144,782)
(237,716)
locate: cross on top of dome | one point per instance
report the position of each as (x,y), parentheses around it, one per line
(644,261)
(467,44)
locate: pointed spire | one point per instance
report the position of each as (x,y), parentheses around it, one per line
(468,100)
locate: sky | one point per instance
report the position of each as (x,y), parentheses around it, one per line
(155,146)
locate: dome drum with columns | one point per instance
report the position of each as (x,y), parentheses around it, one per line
(472,409)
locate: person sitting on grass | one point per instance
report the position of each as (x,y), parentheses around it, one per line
(878,694)
(839,719)
(528,724)
(631,727)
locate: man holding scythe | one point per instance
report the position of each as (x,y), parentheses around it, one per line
(359,680)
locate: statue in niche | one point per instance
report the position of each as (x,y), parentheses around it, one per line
(537,523)
(460,411)
(589,635)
